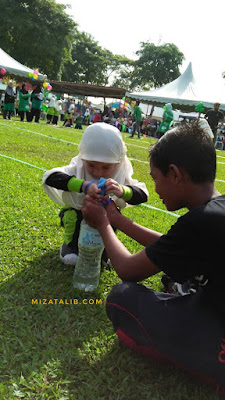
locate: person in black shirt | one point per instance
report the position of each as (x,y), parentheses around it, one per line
(188,330)
(9,107)
(214,116)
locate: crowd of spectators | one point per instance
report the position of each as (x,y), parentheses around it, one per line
(54,108)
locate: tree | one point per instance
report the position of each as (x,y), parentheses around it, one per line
(156,65)
(123,76)
(37,33)
(90,63)
(87,61)
(120,69)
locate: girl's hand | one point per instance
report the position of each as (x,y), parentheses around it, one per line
(114,187)
(92,190)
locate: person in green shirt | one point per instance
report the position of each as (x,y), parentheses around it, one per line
(166,121)
(138,118)
(79,120)
(24,106)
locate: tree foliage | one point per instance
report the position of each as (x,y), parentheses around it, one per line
(87,63)
(40,34)
(37,33)
(90,63)
(156,65)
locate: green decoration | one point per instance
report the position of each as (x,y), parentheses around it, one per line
(199,108)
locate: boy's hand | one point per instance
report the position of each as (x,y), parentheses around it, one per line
(114,187)
(112,213)
(94,213)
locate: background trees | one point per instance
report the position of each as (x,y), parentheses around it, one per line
(40,34)
(156,65)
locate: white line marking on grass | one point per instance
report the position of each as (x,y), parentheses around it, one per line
(135,145)
(135,159)
(23,162)
(42,134)
(159,209)
(61,140)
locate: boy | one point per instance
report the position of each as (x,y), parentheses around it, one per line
(188,330)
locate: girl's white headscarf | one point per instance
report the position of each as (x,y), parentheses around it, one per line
(103,143)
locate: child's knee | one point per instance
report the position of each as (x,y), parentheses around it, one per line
(69,218)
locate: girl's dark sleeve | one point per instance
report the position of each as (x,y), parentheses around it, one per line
(138,197)
(59,180)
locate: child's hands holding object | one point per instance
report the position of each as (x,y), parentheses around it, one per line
(114,187)
(91,188)
(102,189)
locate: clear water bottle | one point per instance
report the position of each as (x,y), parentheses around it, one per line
(87,270)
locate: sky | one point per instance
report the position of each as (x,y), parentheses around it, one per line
(196,27)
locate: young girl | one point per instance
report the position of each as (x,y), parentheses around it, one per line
(102,153)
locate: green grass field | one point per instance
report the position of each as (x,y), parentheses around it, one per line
(69,351)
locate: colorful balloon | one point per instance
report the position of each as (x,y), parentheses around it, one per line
(49,87)
(35,72)
(30,74)
(45,85)
(35,76)
(2,71)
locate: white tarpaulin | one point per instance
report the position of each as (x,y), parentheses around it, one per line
(15,68)
(185,92)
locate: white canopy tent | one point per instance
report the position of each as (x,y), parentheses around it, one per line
(185,92)
(15,68)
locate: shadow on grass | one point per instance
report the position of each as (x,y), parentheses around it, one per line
(69,351)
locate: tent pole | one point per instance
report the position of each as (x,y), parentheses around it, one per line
(152,110)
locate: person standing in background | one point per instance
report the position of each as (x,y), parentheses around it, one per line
(51,109)
(9,107)
(58,108)
(214,116)
(36,98)
(137,116)
(24,107)
(166,121)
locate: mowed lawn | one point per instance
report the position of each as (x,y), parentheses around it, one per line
(57,342)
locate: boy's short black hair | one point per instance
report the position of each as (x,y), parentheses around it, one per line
(187,146)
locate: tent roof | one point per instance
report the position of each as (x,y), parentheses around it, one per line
(15,68)
(185,93)
(87,90)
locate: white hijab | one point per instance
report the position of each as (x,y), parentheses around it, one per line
(103,143)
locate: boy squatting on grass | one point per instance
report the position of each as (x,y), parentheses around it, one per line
(102,153)
(188,330)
